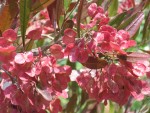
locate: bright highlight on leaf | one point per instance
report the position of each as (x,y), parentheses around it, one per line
(74,56)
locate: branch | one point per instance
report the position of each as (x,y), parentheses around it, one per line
(9,75)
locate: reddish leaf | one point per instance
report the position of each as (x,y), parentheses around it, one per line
(134,56)
(133,27)
(95,63)
(59,10)
(55,106)
(45,94)
(85,8)
(7,14)
(38,5)
(72,6)
(68,24)
(52,13)
(137,56)
(34,32)
(135,10)
(79,16)
(56,50)
(10,35)
(69,36)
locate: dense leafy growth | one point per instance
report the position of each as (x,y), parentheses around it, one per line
(74,56)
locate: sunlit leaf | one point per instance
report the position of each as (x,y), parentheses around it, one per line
(45,94)
(146,29)
(133,27)
(29,45)
(125,23)
(134,57)
(66,4)
(117,19)
(7,13)
(113,8)
(38,5)
(40,42)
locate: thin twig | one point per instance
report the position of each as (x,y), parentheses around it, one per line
(9,75)
(128,104)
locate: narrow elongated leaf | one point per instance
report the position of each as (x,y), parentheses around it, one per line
(125,18)
(111,107)
(146,29)
(115,22)
(125,23)
(71,104)
(25,8)
(71,6)
(66,4)
(113,8)
(38,5)
(147,4)
(59,10)
(45,94)
(134,57)
(87,106)
(52,13)
(79,16)
(146,51)
(133,27)
(132,12)
(7,13)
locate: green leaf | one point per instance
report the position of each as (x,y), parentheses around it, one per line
(71,104)
(116,21)
(25,8)
(126,22)
(147,4)
(66,4)
(113,8)
(146,29)
(86,106)
(111,107)
(29,45)
(136,105)
(100,2)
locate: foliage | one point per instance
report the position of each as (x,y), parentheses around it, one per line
(74,56)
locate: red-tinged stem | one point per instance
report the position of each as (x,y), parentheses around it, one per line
(128,105)
(9,75)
